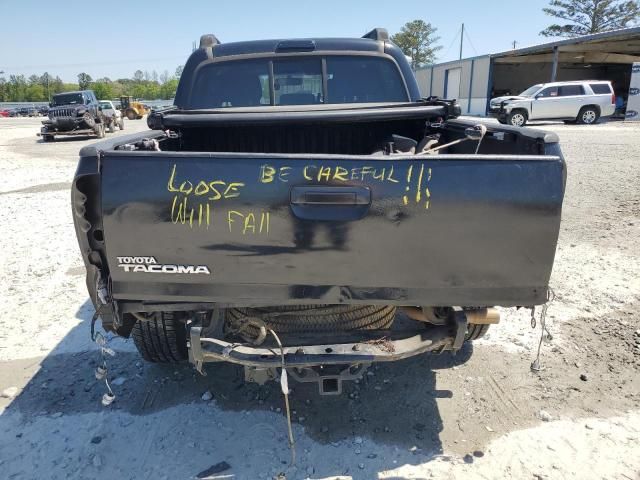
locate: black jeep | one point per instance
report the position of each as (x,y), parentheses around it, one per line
(73,113)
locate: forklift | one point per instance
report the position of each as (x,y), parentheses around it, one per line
(131,109)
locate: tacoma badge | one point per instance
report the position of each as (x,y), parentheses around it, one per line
(151,265)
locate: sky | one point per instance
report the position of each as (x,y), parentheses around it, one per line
(113,39)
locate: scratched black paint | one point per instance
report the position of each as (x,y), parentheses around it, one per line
(487,238)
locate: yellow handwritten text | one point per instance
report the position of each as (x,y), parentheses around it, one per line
(269,173)
(251,223)
(323,173)
(210,189)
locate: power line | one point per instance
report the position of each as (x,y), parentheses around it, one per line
(455,37)
(466,34)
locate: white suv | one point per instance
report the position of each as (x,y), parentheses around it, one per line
(112,116)
(583,101)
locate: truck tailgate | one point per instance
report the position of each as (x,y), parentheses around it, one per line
(271,229)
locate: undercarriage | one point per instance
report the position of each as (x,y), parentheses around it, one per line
(330,359)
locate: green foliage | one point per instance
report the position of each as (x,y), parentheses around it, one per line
(585,17)
(168,89)
(143,85)
(17,88)
(84,80)
(102,90)
(417,40)
(35,93)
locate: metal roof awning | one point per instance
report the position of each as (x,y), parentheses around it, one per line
(618,46)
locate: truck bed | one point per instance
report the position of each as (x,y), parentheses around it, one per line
(328,225)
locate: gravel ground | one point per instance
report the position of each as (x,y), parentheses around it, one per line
(480,414)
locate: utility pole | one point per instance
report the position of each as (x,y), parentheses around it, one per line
(554,65)
(461,37)
(514,44)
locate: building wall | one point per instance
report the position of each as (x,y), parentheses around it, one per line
(423,77)
(474,82)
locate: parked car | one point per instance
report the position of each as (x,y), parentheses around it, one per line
(73,113)
(296,197)
(5,113)
(112,116)
(28,111)
(583,101)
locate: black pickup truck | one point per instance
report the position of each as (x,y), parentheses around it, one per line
(301,203)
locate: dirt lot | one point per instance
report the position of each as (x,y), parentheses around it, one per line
(487,417)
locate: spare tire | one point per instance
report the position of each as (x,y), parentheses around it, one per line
(318,318)
(476,331)
(89,121)
(162,338)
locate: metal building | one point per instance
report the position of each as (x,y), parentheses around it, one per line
(474,81)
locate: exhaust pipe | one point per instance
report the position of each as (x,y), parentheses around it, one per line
(480,316)
(483,316)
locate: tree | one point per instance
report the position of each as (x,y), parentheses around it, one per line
(35,93)
(417,40)
(168,89)
(84,81)
(590,16)
(45,81)
(179,69)
(102,89)
(17,88)
(4,94)
(57,85)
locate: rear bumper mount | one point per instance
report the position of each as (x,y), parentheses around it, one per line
(372,348)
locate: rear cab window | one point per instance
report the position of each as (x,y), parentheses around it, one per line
(297,81)
(300,80)
(365,80)
(601,88)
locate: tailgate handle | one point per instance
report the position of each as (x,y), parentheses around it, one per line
(330,196)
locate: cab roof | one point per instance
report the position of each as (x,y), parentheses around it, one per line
(304,45)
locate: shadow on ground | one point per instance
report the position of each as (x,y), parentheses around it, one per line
(394,404)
